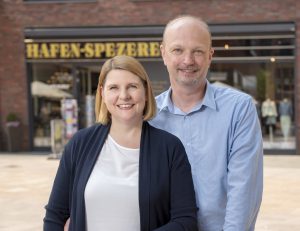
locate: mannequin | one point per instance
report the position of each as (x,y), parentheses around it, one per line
(269,113)
(285,112)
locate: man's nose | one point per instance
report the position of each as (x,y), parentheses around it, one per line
(188,58)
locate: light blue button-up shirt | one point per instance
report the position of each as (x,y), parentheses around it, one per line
(223,141)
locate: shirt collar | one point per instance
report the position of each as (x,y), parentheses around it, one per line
(167,102)
(209,97)
(208,100)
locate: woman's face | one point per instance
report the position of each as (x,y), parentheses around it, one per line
(124,96)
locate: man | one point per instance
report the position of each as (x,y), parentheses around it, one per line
(218,127)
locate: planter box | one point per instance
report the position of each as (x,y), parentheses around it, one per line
(13,131)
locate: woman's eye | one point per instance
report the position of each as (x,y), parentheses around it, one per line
(133,86)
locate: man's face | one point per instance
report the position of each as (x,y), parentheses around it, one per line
(187,53)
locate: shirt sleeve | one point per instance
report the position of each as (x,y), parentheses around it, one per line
(245,169)
(57,209)
(183,208)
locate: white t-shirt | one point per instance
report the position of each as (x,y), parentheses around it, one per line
(111,193)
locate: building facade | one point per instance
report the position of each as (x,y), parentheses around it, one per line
(53,50)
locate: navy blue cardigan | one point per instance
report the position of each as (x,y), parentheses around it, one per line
(166,192)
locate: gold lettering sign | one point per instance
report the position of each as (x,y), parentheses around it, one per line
(91,50)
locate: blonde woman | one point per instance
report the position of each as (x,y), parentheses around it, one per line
(123,174)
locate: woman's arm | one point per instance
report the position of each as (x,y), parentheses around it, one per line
(58,208)
(183,208)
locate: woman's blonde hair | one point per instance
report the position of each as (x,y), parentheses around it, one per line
(132,65)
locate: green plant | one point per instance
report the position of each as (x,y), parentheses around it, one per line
(261,85)
(12,117)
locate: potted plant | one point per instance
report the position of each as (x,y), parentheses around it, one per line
(13,132)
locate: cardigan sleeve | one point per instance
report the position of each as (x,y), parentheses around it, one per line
(183,208)
(57,209)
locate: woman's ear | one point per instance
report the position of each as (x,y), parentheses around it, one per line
(101,91)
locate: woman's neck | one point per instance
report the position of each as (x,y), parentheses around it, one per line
(126,135)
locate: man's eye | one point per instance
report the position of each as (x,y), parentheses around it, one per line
(177,51)
(198,52)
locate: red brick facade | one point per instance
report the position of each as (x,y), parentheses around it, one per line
(17,15)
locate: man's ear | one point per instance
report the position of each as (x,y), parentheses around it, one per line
(163,52)
(211,53)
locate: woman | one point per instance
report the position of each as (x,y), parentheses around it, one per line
(123,174)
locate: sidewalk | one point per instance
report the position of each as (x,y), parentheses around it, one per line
(280,210)
(26,180)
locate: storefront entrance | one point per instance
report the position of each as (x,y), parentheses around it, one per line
(258,62)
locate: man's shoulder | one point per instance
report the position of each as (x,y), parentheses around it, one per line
(230,94)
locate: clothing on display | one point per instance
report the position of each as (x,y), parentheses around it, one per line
(269,114)
(269,111)
(285,112)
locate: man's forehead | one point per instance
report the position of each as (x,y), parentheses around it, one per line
(183,45)
(175,32)
(186,22)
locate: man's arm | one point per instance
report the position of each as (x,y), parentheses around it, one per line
(245,170)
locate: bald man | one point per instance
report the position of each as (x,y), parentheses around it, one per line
(219,128)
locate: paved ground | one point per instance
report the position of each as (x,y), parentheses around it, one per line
(26,179)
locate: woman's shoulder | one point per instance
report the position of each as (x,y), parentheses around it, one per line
(85,139)
(91,130)
(162,135)
(84,134)
(163,144)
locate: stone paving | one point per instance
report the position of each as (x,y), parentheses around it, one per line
(26,180)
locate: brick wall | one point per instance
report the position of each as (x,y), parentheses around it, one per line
(16,15)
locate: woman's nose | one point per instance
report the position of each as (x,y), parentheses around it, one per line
(124,94)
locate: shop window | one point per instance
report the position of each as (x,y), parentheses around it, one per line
(51,84)
(261,65)
(271,84)
(280,47)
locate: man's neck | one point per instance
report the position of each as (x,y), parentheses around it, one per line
(185,98)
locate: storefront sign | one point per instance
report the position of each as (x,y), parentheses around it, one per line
(91,50)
